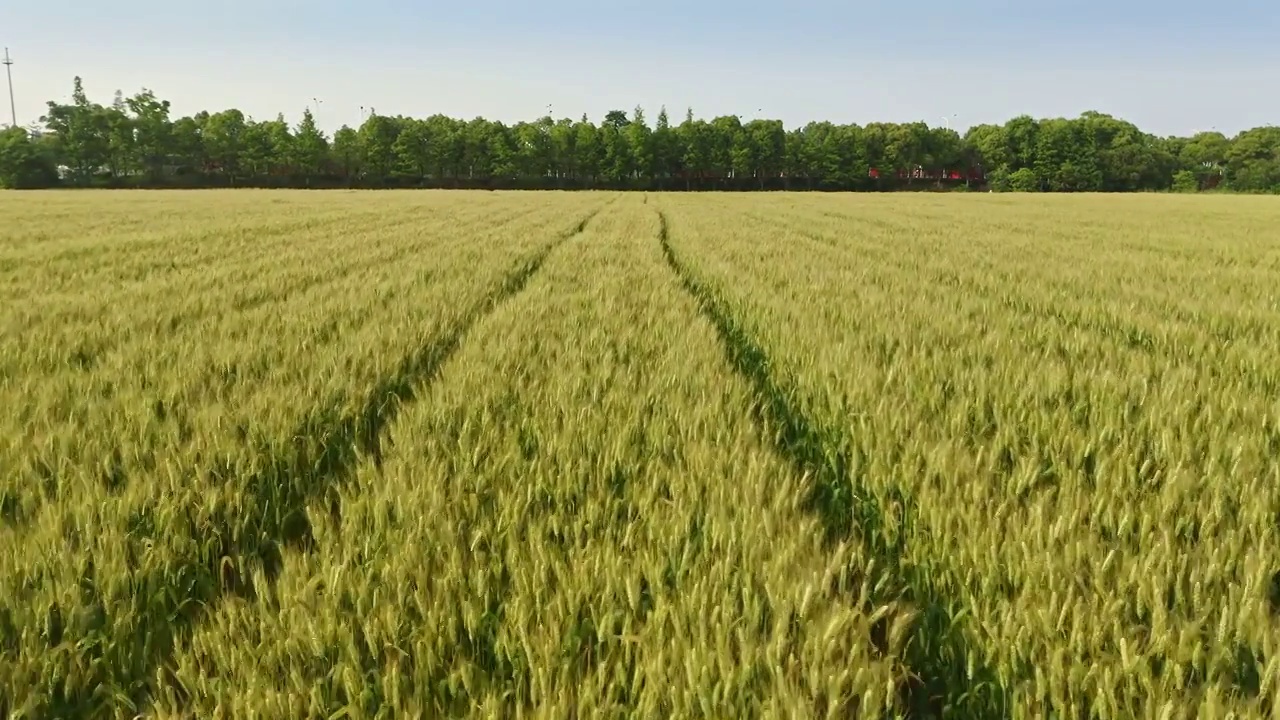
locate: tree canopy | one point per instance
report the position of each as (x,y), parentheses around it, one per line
(135,142)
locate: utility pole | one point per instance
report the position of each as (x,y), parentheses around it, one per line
(8,70)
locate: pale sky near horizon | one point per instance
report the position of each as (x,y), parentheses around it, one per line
(1172,67)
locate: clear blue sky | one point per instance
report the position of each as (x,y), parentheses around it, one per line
(1172,67)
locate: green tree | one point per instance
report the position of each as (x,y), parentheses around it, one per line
(907,146)
(722,135)
(346,152)
(187,144)
(1253,160)
(503,154)
(640,146)
(477,149)
(24,162)
(1066,158)
(1184,181)
(278,149)
(412,149)
(152,131)
(696,139)
(267,149)
(1021,135)
(1207,150)
(121,137)
(564,149)
(618,161)
(804,154)
(81,134)
(135,137)
(766,141)
(378,137)
(224,137)
(666,148)
(448,147)
(534,148)
(990,147)
(588,149)
(1024,180)
(309,147)
(841,155)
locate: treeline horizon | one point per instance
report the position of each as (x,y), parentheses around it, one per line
(134,142)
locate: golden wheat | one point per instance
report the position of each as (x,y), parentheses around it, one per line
(1072,402)
(578,517)
(215,433)
(282,454)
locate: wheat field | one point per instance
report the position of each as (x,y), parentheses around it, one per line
(273,454)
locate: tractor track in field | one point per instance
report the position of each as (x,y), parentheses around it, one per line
(937,655)
(17,514)
(323,453)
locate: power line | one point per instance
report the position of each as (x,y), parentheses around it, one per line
(8,70)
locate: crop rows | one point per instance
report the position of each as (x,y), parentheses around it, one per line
(576,516)
(193,456)
(568,455)
(1074,435)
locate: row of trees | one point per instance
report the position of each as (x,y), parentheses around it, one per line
(135,142)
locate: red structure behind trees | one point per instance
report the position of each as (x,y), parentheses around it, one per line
(972,175)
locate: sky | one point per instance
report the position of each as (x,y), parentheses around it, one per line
(1173,67)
